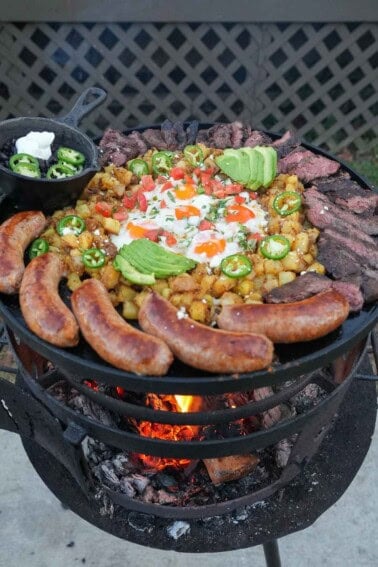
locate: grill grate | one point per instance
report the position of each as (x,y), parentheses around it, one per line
(318,78)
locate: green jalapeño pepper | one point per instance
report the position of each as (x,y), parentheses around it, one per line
(194,155)
(162,162)
(138,167)
(59,171)
(70,156)
(70,225)
(236,266)
(275,247)
(72,168)
(287,203)
(38,247)
(93,258)
(27,169)
(17,159)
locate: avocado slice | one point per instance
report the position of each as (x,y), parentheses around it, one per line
(235,164)
(148,257)
(269,155)
(130,273)
(256,162)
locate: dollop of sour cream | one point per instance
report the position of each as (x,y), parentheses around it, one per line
(36,144)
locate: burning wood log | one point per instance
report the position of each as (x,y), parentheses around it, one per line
(272,415)
(225,469)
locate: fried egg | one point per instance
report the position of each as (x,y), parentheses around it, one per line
(185,220)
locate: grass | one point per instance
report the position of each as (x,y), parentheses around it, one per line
(367,165)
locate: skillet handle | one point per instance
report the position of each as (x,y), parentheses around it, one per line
(82,108)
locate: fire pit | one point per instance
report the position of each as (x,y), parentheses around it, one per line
(76,422)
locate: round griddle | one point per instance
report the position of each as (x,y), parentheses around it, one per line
(292,360)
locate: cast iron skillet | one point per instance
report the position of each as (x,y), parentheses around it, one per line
(45,194)
(294,359)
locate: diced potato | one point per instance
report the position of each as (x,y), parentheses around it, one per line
(130,310)
(229,298)
(223,284)
(198,311)
(82,209)
(166,293)
(111,225)
(71,240)
(255,296)
(207,282)
(85,240)
(269,284)
(183,282)
(186,299)
(313,250)
(258,282)
(73,281)
(291,227)
(139,299)
(109,276)
(244,287)
(313,234)
(308,258)
(160,285)
(302,242)
(286,277)
(272,266)
(259,267)
(292,262)
(125,292)
(317,267)
(113,298)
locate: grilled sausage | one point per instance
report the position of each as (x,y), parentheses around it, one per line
(15,235)
(112,337)
(288,322)
(43,309)
(201,346)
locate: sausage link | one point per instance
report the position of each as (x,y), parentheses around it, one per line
(201,346)
(43,309)
(112,337)
(295,322)
(15,235)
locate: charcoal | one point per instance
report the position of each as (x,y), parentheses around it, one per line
(178,529)
(165,498)
(307,165)
(165,480)
(141,522)
(127,488)
(283,450)
(322,213)
(139,482)
(272,415)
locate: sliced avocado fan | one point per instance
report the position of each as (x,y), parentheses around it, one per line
(252,167)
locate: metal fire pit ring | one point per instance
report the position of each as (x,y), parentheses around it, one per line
(82,362)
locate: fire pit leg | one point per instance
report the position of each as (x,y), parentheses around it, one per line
(272,554)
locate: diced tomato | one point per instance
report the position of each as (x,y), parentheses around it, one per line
(239,213)
(177,173)
(161,179)
(142,201)
(233,189)
(239,200)
(189,179)
(167,185)
(218,189)
(253,194)
(129,202)
(206,225)
(170,238)
(121,214)
(147,183)
(255,236)
(163,204)
(105,209)
(153,234)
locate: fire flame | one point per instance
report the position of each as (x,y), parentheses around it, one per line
(179,404)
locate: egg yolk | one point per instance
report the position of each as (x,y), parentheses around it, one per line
(238,213)
(186,211)
(211,247)
(185,191)
(137,231)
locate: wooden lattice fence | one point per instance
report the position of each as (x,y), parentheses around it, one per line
(321,79)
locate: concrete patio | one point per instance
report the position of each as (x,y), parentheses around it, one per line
(35,530)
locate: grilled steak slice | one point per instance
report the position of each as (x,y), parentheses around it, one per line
(302,287)
(310,284)
(286,144)
(351,292)
(117,148)
(322,213)
(369,285)
(366,252)
(234,135)
(307,165)
(257,138)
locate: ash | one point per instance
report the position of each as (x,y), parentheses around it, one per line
(123,472)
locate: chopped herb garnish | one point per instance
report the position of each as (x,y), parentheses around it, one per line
(171,197)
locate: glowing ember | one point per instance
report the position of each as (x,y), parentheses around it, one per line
(169,432)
